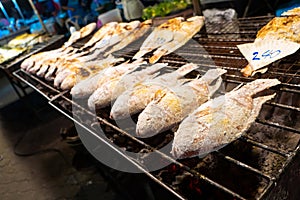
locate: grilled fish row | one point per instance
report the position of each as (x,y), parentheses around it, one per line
(67,66)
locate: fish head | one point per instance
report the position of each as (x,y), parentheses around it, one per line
(120,108)
(151,121)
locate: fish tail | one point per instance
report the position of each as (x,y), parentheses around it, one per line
(209,77)
(258,85)
(257,104)
(212,75)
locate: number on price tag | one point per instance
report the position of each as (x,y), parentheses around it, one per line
(263,51)
(265,55)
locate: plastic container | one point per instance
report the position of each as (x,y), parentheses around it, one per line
(110,16)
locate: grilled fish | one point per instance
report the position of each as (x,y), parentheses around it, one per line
(88,70)
(159,36)
(121,31)
(173,105)
(286,28)
(83,32)
(135,35)
(88,86)
(65,49)
(186,31)
(66,62)
(38,65)
(103,31)
(110,90)
(220,120)
(42,56)
(136,99)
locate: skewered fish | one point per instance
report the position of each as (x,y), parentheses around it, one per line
(121,31)
(134,100)
(135,35)
(279,28)
(220,120)
(186,31)
(173,105)
(110,90)
(159,36)
(88,86)
(83,32)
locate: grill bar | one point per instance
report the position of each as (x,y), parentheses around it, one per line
(280,126)
(263,146)
(37,80)
(239,163)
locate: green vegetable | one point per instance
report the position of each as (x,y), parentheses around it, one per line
(164,8)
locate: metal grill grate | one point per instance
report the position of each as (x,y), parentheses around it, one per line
(248,167)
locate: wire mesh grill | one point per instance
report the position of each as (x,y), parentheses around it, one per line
(246,168)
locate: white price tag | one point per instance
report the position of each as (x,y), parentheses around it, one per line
(265,51)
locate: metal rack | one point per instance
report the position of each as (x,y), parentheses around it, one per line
(260,158)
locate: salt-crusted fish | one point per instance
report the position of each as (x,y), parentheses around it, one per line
(87,70)
(121,31)
(83,32)
(173,104)
(136,99)
(38,65)
(110,90)
(279,28)
(46,55)
(88,86)
(106,29)
(65,49)
(133,36)
(186,31)
(220,120)
(66,62)
(159,36)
